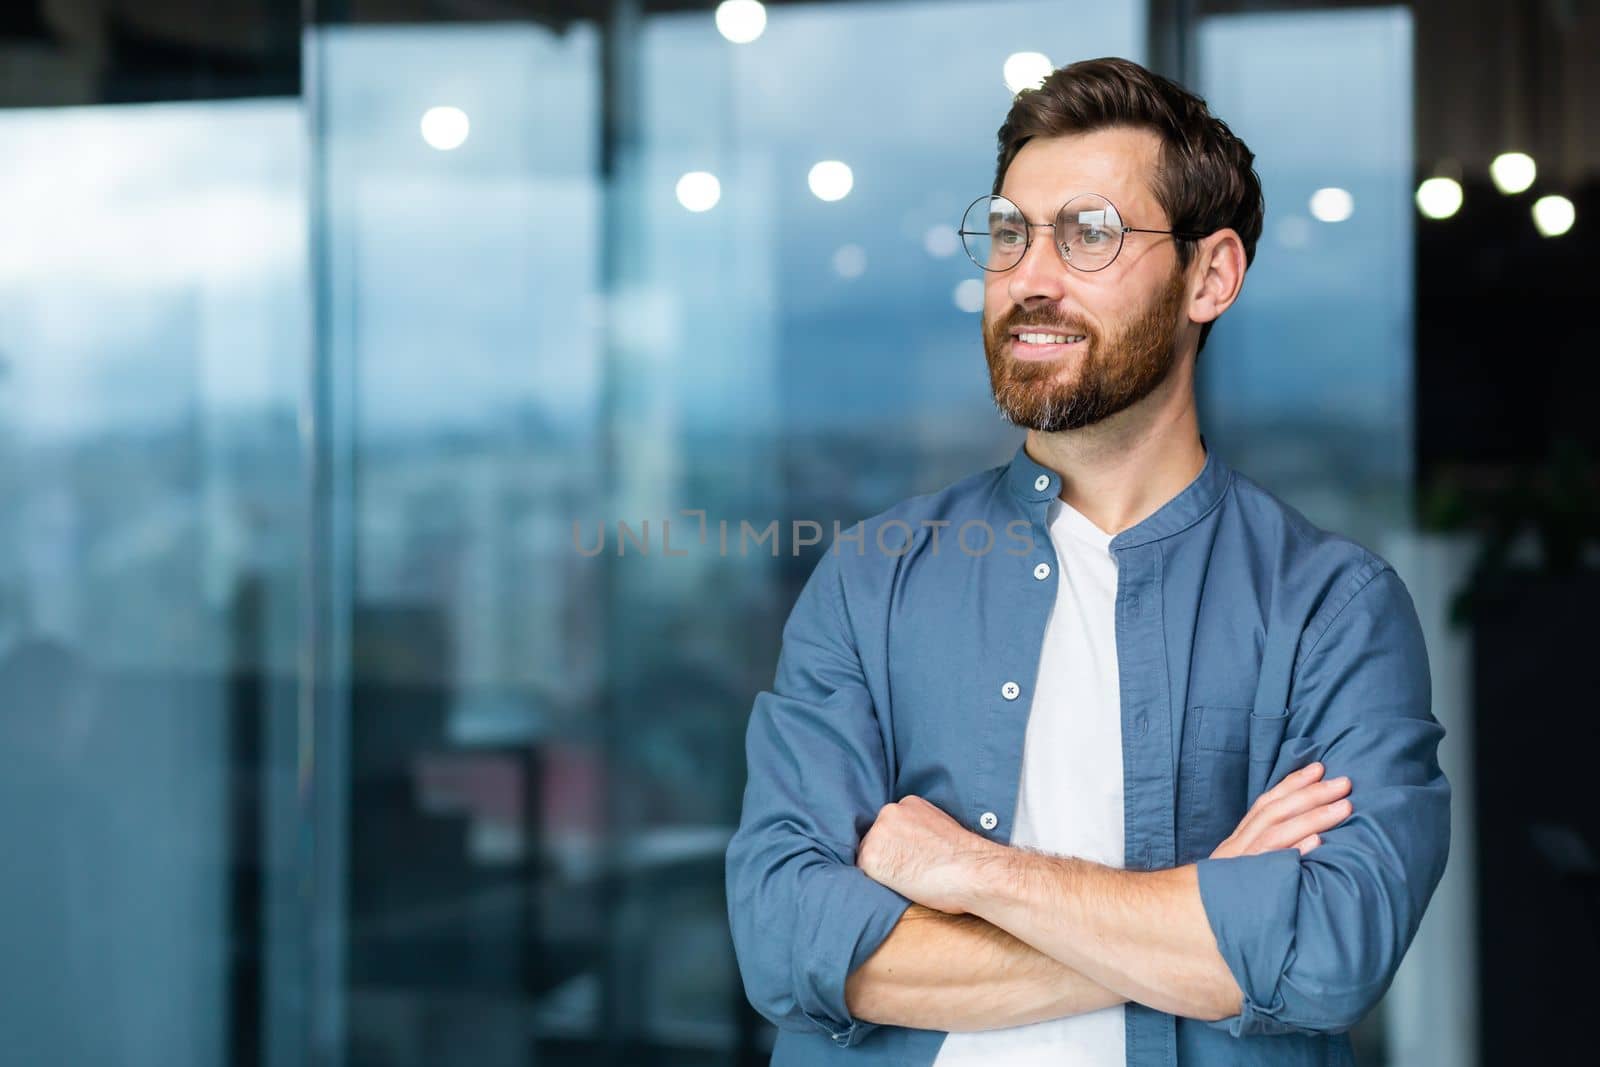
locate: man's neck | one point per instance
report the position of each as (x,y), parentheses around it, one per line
(1119,472)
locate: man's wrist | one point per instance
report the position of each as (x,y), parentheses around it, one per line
(993,879)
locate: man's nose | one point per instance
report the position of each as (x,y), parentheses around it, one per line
(1041,275)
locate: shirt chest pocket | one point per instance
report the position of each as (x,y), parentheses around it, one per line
(1230,752)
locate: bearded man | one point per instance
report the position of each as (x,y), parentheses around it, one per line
(1135,765)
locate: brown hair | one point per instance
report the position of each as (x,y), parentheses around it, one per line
(1204,181)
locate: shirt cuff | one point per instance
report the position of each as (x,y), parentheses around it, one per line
(848,916)
(1252,903)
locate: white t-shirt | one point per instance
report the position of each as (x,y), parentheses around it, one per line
(1069,800)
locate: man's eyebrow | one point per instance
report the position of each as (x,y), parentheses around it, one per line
(1048,215)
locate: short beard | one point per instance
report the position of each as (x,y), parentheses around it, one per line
(1111,377)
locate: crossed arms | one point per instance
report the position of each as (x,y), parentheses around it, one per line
(1263,941)
(1002,936)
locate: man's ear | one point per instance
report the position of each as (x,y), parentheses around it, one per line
(1218,272)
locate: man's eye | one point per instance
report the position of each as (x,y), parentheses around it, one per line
(1009,236)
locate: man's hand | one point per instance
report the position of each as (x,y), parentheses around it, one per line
(1292,814)
(920,852)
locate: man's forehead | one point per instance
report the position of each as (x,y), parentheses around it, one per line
(1117,164)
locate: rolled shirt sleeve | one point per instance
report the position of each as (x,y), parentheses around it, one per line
(803,916)
(1315,941)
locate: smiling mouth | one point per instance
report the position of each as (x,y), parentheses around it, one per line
(1039,344)
(1032,337)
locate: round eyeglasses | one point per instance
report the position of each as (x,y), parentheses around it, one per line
(1088,232)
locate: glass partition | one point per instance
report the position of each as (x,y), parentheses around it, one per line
(564,302)
(153,350)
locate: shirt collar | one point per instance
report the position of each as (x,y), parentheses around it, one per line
(1033,483)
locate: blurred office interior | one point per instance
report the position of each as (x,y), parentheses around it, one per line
(322,324)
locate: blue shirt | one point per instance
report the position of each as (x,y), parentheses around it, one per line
(1249,643)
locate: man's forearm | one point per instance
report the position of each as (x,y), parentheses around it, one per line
(958,972)
(1142,934)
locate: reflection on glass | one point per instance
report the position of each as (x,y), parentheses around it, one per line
(152,351)
(1306,382)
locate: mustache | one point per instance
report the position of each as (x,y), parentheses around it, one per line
(1018,321)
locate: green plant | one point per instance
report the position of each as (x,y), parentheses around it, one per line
(1555,502)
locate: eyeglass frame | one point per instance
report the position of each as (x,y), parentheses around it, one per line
(1029,226)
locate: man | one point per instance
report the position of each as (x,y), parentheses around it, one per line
(1153,778)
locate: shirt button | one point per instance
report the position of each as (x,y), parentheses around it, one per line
(1010,690)
(1042,571)
(1041,483)
(988,820)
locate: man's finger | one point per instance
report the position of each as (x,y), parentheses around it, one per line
(1304,799)
(1307,843)
(1292,781)
(1318,819)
